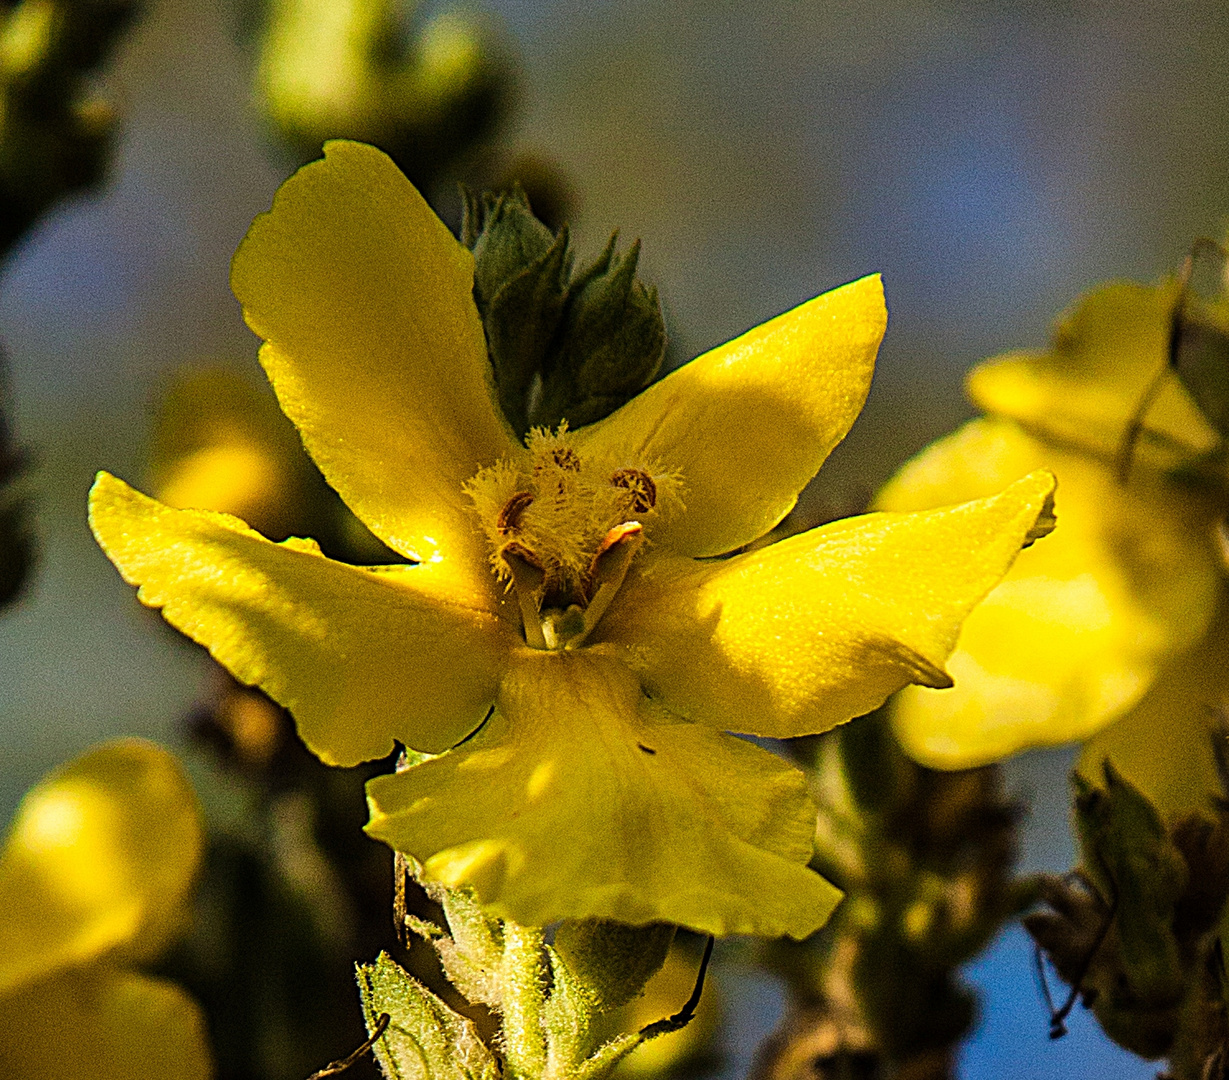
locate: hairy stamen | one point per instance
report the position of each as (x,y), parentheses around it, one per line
(610,565)
(566,458)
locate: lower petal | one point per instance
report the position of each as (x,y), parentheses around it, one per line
(581,797)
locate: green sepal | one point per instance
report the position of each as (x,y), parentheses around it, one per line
(521,321)
(567,1016)
(611,961)
(521,275)
(1077,932)
(471,951)
(1128,854)
(561,348)
(425,1039)
(612,344)
(505,237)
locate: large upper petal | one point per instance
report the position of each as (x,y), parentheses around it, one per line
(813,630)
(102,1024)
(1088,387)
(375,348)
(1075,633)
(747,425)
(99,860)
(361,657)
(580,797)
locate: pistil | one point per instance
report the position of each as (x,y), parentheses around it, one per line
(555,629)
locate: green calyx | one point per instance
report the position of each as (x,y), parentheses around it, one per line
(1128,855)
(548,1000)
(563,347)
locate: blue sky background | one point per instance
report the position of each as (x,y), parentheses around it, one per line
(993,160)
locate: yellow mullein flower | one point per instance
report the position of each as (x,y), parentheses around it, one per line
(1075,634)
(564,643)
(95,878)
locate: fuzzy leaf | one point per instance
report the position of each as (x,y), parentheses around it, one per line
(425,1039)
(473,954)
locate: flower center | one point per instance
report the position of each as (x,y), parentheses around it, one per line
(563,530)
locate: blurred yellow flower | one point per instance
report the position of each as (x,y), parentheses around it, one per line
(95,879)
(220,443)
(1076,633)
(565,642)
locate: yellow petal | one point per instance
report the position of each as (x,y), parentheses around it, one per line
(1087,388)
(102,1024)
(375,349)
(805,634)
(360,657)
(748,424)
(1074,634)
(1164,745)
(580,797)
(100,857)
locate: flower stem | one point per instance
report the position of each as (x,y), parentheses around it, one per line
(524,997)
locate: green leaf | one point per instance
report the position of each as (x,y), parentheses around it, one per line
(425,1039)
